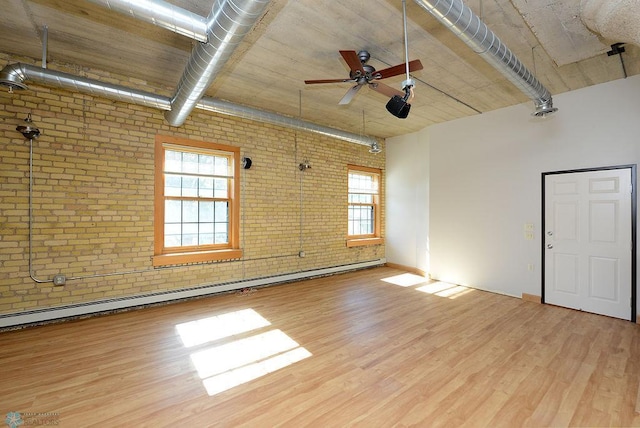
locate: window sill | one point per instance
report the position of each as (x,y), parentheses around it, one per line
(195,257)
(364,241)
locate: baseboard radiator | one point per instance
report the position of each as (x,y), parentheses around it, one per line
(40,316)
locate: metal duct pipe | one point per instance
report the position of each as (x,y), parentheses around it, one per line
(229,109)
(15,75)
(228,23)
(162,14)
(461,20)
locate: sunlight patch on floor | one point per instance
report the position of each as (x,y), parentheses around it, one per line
(233,363)
(445,289)
(235,377)
(218,327)
(238,353)
(405,280)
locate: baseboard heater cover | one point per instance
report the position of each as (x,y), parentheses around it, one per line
(107,305)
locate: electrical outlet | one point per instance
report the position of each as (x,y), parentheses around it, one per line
(528,227)
(59,280)
(301,254)
(528,236)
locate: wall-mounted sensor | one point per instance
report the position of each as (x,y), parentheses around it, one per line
(246,163)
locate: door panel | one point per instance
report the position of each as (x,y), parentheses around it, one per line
(566,274)
(603,221)
(604,281)
(588,241)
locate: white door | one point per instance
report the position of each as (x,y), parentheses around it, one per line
(587,241)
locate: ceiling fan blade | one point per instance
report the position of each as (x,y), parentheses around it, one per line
(385,89)
(396,70)
(349,95)
(352,60)
(310,82)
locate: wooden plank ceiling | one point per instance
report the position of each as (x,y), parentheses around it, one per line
(298,40)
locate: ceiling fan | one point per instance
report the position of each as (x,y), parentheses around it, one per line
(363,74)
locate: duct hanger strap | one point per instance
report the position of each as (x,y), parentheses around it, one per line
(468,27)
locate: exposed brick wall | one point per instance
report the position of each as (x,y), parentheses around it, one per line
(93,197)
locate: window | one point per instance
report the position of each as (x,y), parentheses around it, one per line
(197,201)
(363,206)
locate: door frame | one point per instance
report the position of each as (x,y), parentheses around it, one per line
(634,208)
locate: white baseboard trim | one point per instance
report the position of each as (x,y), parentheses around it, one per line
(87,308)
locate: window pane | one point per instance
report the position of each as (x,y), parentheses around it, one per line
(205,234)
(360,220)
(206,211)
(205,164)
(359,198)
(172,185)
(190,228)
(173,229)
(189,186)
(221,166)
(172,240)
(221,211)
(172,161)
(189,211)
(363,183)
(220,186)
(172,235)
(205,227)
(172,211)
(190,162)
(205,189)
(189,234)
(221,233)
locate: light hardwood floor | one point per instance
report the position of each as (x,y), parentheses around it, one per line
(381,355)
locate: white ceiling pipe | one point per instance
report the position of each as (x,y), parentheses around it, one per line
(228,22)
(162,14)
(468,27)
(15,75)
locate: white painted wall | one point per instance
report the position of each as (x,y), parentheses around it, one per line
(407,200)
(484,182)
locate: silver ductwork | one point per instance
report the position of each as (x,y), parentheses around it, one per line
(15,76)
(229,109)
(162,14)
(228,23)
(461,20)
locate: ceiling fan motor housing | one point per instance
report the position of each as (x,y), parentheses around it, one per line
(364,56)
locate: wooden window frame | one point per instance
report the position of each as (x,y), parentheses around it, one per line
(369,239)
(195,254)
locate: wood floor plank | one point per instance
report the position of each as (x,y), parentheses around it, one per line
(379,354)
